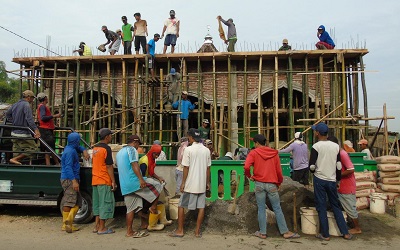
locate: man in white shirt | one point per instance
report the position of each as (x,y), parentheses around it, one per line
(171,29)
(364,149)
(196,180)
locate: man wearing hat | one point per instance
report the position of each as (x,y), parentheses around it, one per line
(324,162)
(205,129)
(103,182)
(209,144)
(83,50)
(174,81)
(325,40)
(20,114)
(171,29)
(113,38)
(285,45)
(364,149)
(231,33)
(267,175)
(184,106)
(196,180)
(46,126)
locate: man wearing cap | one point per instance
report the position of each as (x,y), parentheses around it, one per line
(196,180)
(324,162)
(103,182)
(267,175)
(83,50)
(140,33)
(209,144)
(46,126)
(174,81)
(325,40)
(179,168)
(20,114)
(205,129)
(171,29)
(127,37)
(135,187)
(299,151)
(285,45)
(231,33)
(151,50)
(162,156)
(364,149)
(184,106)
(113,38)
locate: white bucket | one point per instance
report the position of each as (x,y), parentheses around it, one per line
(88,163)
(397,206)
(310,222)
(173,208)
(377,203)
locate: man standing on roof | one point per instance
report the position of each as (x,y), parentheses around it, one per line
(364,149)
(205,129)
(231,33)
(324,161)
(20,114)
(267,175)
(140,33)
(151,50)
(299,151)
(171,29)
(83,50)
(46,127)
(285,45)
(174,81)
(127,37)
(112,38)
(325,40)
(184,106)
(103,182)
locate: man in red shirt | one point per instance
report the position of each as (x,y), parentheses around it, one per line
(267,175)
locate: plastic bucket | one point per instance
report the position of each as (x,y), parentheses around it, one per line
(88,163)
(397,206)
(377,203)
(173,208)
(310,222)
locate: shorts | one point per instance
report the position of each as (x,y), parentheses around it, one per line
(192,201)
(115,46)
(27,146)
(103,202)
(151,62)
(133,203)
(348,202)
(170,39)
(70,197)
(48,136)
(301,176)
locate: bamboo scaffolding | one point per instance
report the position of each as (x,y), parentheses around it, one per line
(385,130)
(276,114)
(364,90)
(245,120)
(124,93)
(221,125)
(290,97)
(215,104)
(229,125)
(259,100)
(321,85)
(344,100)
(160,134)
(76,94)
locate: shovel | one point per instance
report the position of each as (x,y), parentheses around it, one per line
(233,206)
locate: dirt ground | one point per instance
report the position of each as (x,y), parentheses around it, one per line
(25,227)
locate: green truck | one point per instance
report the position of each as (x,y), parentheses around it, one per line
(36,184)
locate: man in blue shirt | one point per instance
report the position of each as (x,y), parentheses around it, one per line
(151,49)
(184,106)
(325,40)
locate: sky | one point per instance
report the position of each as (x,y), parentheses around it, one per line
(261,25)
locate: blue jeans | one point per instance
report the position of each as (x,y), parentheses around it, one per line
(262,190)
(322,189)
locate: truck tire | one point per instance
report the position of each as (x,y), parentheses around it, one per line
(85,213)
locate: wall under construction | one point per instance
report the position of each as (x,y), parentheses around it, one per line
(242,93)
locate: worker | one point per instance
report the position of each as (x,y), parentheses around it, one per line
(179,168)
(232,37)
(20,114)
(285,45)
(364,149)
(83,50)
(162,156)
(46,127)
(174,87)
(205,129)
(171,29)
(184,106)
(127,37)
(151,50)
(113,39)
(209,144)
(348,146)
(325,40)
(140,33)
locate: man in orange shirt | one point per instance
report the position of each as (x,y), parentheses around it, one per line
(103,182)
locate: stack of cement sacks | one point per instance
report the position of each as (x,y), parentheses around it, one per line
(389,177)
(365,186)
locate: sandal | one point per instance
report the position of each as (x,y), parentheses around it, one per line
(319,236)
(141,233)
(348,238)
(260,235)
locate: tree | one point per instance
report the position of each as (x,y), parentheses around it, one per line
(9,86)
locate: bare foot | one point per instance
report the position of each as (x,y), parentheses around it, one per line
(153,210)
(12,161)
(130,234)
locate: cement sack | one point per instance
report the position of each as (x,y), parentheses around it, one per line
(388,159)
(365,176)
(391,196)
(393,180)
(389,174)
(362,203)
(389,188)
(365,185)
(364,193)
(389,167)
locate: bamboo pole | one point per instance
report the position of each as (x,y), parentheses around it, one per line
(66,97)
(138,98)
(146,98)
(307,88)
(91,93)
(364,89)
(124,84)
(276,114)
(245,120)
(385,130)
(321,83)
(355,92)
(221,125)
(319,120)
(160,134)
(229,125)
(335,91)
(259,99)
(199,93)
(350,91)
(42,84)
(100,97)
(76,95)
(215,104)
(93,126)
(344,100)
(109,93)
(240,145)
(290,97)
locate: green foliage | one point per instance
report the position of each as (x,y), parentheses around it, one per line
(9,86)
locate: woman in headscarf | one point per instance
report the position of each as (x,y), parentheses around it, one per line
(147,163)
